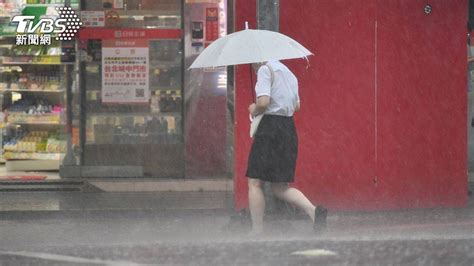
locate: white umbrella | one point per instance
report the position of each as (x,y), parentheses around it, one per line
(250,46)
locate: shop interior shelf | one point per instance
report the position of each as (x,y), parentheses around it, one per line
(159,88)
(136,114)
(35,63)
(134,13)
(44,119)
(146,144)
(73,5)
(165,64)
(154,88)
(33,156)
(18,90)
(36,123)
(32,165)
(32,87)
(33,60)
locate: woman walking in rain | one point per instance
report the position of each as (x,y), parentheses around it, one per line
(275,146)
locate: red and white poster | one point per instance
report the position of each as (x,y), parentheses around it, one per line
(212,24)
(125,71)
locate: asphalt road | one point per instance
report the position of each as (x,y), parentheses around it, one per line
(290,252)
(425,237)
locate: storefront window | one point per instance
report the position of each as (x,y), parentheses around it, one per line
(208,125)
(119,100)
(173,122)
(144,14)
(132,83)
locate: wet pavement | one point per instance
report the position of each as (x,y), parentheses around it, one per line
(218,237)
(395,252)
(291,252)
(125,201)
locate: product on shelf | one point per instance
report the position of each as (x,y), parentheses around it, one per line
(8,9)
(33,79)
(169,101)
(32,2)
(155,104)
(34,106)
(160,129)
(9,77)
(165,50)
(36,141)
(34,110)
(39,80)
(55,146)
(166,77)
(35,54)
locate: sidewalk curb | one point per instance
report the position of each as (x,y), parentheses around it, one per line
(117,213)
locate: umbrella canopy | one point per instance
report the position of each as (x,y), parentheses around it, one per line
(250,46)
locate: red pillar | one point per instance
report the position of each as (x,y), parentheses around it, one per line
(244,11)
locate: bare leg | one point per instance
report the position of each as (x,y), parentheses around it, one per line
(257,205)
(294,196)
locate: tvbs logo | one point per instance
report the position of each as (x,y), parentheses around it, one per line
(64,27)
(45,25)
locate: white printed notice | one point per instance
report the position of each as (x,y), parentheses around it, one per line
(93,18)
(125,71)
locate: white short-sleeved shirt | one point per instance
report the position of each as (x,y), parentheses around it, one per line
(284,91)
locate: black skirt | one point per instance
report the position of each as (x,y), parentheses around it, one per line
(274,150)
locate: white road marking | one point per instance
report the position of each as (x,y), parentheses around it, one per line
(55,257)
(315,253)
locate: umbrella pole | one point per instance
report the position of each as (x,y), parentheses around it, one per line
(251,85)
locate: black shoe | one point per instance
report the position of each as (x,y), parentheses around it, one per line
(320,216)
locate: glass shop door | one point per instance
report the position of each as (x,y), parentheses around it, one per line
(131,85)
